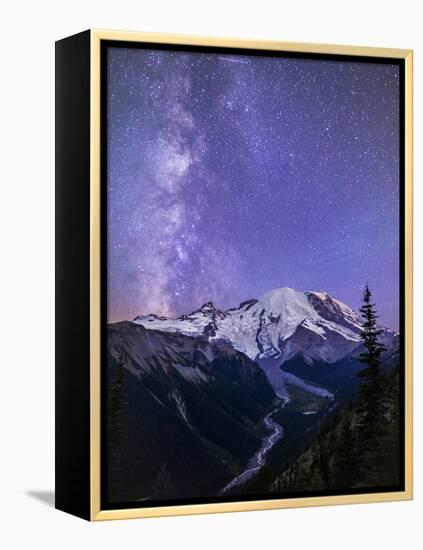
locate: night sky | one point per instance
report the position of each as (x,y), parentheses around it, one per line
(229,176)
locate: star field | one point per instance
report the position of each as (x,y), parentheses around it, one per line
(229,176)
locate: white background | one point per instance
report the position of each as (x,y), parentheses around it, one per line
(28,32)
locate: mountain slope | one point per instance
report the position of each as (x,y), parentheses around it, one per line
(279,325)
(178,407)
(332,461)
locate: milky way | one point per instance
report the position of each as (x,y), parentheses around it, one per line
(229,176)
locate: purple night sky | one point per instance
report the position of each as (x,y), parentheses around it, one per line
(229,176)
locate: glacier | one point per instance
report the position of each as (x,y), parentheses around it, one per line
(278,325)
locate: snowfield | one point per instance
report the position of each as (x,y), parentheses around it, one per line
(280,324)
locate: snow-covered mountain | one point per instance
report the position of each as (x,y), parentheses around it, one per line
(179,407)
(208,383)
(280,324)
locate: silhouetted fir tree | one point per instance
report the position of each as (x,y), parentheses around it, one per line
(324,462)
(116,430)
(316,481)
(345,457)
(391,439)
(302,479)
(371,399)
(162,487)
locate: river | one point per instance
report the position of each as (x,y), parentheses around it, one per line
(278,379)
(259,459)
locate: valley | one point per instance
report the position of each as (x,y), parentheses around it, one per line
(258,460)
(220,402)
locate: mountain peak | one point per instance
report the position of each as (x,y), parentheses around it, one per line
(288,302)
(332,309)
(281,291)
(277,325)
(208,309)
(208,306)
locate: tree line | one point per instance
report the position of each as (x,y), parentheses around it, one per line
(361,446)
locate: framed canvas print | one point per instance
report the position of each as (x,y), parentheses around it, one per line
(234,282)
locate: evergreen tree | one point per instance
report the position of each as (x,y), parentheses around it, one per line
(324,458)
(345,459)
(371,388)
(116,430)
(369,336)
(361,446)
(392,439)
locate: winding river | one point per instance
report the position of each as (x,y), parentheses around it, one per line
(278,379)
(259,459)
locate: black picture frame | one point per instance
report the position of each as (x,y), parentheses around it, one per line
(81,434)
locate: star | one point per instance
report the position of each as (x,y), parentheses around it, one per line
(231,175)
